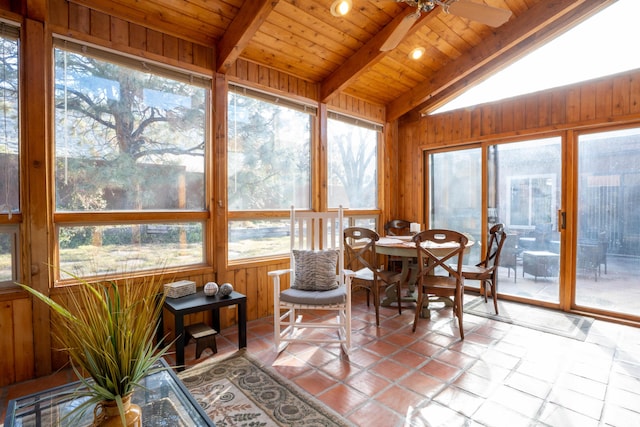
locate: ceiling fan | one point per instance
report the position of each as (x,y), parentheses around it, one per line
(488,15)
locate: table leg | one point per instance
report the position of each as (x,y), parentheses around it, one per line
(242,324)
(406,282)
(179,331)
(215,319)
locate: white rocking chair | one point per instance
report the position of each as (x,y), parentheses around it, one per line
(317,281)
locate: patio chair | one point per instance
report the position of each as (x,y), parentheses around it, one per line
(317,281)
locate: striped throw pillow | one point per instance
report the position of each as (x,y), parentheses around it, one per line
(315,270)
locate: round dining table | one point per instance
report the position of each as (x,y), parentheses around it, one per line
(403,248)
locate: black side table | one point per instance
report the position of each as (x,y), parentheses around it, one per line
(198,302)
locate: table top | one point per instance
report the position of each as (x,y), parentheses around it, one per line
(405,247)
(164,401)
(199,301)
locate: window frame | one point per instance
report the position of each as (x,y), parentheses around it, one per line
(202,217)
(11,221)
(269,214)
(319,169)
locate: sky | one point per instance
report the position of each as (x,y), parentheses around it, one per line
(606,43)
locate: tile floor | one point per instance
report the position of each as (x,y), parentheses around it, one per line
(500,375)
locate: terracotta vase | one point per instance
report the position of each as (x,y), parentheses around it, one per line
(106,414)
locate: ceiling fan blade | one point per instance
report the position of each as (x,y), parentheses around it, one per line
(399,32)
(489,15)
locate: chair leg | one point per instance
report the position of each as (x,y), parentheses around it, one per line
(418,309)
(483,289)
(493,285)
(458,312)
(399,297)
(376,302)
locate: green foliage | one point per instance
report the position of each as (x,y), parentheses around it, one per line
(108,330)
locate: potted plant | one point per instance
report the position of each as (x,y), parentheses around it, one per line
(108,330)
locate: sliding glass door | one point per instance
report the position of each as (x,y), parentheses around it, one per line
(455,195)
(524,181)
(608,234)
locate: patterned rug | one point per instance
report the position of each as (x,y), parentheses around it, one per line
(538,318)
(236,390)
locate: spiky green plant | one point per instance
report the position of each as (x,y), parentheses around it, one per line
(108,330)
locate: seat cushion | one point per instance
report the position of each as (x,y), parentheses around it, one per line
(331,297)
(315,270)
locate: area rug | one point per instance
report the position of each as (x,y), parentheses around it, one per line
(237,390)
(541,319)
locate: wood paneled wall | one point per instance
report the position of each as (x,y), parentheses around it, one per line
(25,341)
(596,103)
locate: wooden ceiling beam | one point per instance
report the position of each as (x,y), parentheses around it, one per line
(241,30)
(368,55)
(503,43)
(534,42)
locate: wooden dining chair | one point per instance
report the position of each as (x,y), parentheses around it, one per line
(396,227)
(361,257)
(439,254)
(486,271)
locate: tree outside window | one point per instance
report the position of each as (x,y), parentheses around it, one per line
(127,140)
(353,165)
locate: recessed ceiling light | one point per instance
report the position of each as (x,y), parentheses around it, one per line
(341,7)
(416,53)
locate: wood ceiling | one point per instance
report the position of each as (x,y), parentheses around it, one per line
(342,54)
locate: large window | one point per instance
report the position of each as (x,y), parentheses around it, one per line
(353,163)
(9,155)
(269,170)
(130,141)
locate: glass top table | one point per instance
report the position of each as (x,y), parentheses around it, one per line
(164,400)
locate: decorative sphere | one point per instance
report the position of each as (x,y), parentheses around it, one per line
(210,289)
(226,289)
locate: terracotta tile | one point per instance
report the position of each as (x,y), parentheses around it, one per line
(374,414)
(528,384)
(476,384)
(435,414)
(615,415)
(342,398)
(578,402)
(409,358)
(390,370)
(364,358)
(501,374)
(497,415)
(425,348)
(381,348)
(424,385)
(459,400)
(340,369)
(400,399)
(518,401)
(314,382)
(440,370)
(368,383)
(455,358)
(556,415)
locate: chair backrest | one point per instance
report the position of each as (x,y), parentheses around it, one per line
(360,248)
(497,236)
(436,249)
(397,227)
(317,231)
